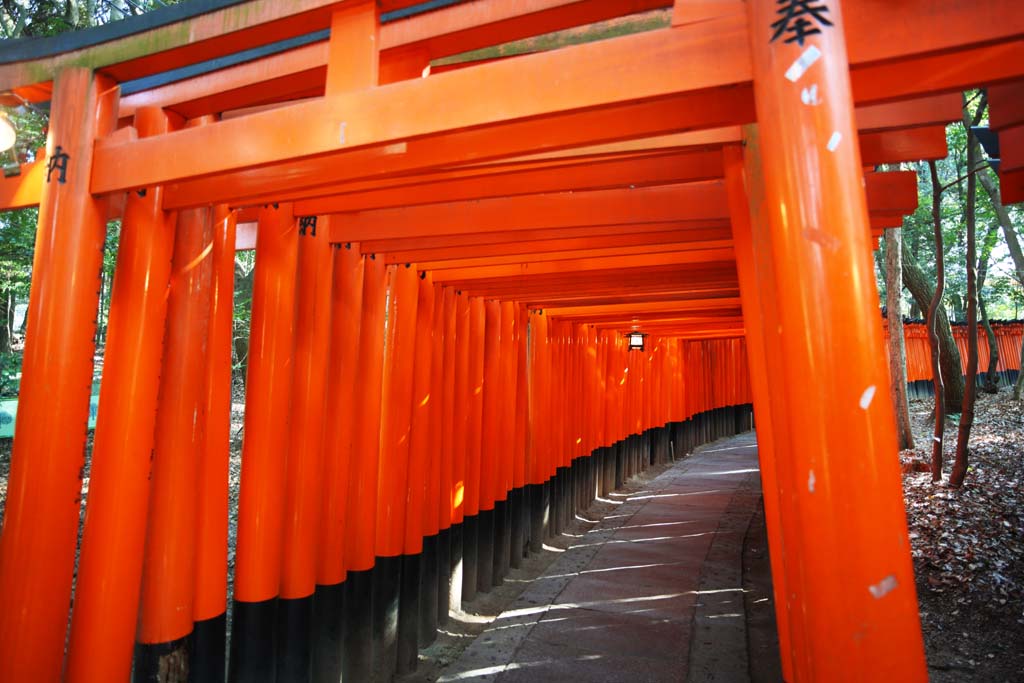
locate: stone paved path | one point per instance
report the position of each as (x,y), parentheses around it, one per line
(651,592)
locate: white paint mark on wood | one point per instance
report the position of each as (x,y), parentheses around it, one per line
(883,587)
(803,63)
(867,397)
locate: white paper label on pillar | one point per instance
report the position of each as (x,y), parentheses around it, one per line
(803,63)
(809,96)
(833,142)
(810,481)
(341,133)
(886,585)
(867,397)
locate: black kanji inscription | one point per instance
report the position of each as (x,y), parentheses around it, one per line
(307,222)
(58,162)
(799,19)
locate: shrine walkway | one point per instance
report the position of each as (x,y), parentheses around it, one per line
(659,589)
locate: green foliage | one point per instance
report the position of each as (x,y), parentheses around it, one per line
(1002,293)
(10,374)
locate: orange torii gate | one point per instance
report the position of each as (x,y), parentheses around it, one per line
(702,183)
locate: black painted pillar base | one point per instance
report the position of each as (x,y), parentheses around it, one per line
(429,592)
(537,516)
(555,524)
(456,572)
(387,578)
(294,628)
(504,550)
(485,551)
(328,630)
(444,575)
(150,656)
(407,646)
(357,635)
(517,535)
(469,557)
(620,464)
(207,648)
(252,642)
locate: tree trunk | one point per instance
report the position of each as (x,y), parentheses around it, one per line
(991,382)
(920,289)
(1016,253)
(956,477)
(933,335)
(5,329)
(897,348)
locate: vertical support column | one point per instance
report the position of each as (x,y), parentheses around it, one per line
(859,598)
(761,318)
(414,558)
(436,507)
(37,546)
(393,467)
(362,481)
(475,406)
(209,609)
(504,494)
(168,577)
(457,444)
(264,449)
(444,335)
(490,521)
(329,598)
(304,475)
(106,605)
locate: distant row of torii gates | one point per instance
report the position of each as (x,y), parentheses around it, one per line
(705,183)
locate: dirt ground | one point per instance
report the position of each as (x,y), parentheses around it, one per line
(968,545)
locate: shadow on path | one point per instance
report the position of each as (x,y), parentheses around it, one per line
(654,590)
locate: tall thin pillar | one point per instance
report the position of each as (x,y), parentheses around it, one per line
(110,568)
(37,546)
(304,479)
(264,449)
(858,595)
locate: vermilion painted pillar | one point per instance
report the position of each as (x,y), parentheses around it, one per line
(488,524)
(329,598)
(443,439)
(858,598)
(455,442)
(475,404)
(504,498)
(760,316)
(168,577)
(264,448)
(362,481)
(422,523)
(520,465)
(209,608)
(393,467)
(304,475)
(37,546)
(110,568)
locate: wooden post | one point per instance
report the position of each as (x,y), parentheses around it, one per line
(264,448)
(37,546)
(106,606)
(209,609)
(858,597)
(304,480)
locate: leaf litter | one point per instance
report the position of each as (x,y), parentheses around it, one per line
(968,544)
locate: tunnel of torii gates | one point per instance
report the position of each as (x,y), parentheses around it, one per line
(449,254)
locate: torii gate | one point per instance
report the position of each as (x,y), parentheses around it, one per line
(702,182)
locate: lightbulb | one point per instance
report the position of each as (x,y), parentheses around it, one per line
(7,133)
